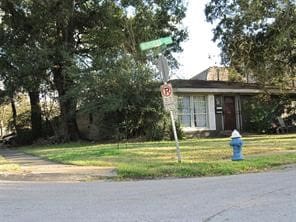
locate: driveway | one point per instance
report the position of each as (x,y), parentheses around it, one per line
(269,196)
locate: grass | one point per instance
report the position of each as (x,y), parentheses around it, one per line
(6,166)
(200,157)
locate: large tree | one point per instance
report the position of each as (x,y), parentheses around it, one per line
(256,37)
(23,64)
(72,34)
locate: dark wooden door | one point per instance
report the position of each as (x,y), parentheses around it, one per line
(229,113)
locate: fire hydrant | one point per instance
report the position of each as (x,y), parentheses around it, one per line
(236,143)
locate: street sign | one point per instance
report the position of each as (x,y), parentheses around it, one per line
(167,97)
(156,43)
(166,89)
(163,68)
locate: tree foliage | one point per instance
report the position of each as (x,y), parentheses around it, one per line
(256,37)
(61,43)
(261,112)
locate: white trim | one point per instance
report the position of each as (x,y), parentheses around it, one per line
(191,104)
(215,90)
(211,112)
(211,116)
(194,129)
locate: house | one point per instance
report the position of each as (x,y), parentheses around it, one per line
(213,74)
(216,73)
(210,107)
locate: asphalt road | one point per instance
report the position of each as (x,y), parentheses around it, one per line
(259,197)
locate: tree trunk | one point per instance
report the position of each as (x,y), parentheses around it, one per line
(67,105)
(36,120)
(14,114)
(2,120)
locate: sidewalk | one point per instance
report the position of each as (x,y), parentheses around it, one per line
(36,169)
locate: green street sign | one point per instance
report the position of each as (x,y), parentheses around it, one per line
(156,43)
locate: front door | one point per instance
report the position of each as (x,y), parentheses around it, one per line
(229,113)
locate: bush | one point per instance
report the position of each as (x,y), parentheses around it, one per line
(24,137)
(262,111)
(163,130)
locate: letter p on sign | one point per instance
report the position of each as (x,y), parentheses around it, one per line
(166,90)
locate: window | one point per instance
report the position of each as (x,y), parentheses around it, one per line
(193,111)
(184,114)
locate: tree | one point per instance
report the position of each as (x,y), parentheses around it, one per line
(23,65)
(123,96)
(73,34)
(256,37)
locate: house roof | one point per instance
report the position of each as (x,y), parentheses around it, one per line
(203,86)
(193,83)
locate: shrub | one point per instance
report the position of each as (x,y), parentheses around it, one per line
(262,111)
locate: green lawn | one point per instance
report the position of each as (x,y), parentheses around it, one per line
(200,157)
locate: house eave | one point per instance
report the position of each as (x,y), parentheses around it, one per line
(239,91)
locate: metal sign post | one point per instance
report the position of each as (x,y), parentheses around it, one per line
(166,89)
(169,105)
(176,137)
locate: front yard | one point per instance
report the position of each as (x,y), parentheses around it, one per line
(200,157)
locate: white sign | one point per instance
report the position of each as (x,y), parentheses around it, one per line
(167,97)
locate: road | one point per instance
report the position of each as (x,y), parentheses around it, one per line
(269,196)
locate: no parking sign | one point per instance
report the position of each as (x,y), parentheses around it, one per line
(167,97)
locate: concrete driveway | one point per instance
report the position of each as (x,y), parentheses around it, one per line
(269,197)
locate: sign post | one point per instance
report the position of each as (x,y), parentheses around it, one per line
(169,105)
(166,89)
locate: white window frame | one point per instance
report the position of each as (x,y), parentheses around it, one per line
(210,115)
(194,112)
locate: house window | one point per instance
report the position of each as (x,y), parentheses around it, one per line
(184,111)
(193,111)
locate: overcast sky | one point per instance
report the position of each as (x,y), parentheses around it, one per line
(199,45)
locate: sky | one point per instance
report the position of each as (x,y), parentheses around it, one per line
(199,46)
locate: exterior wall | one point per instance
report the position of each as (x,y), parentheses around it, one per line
(218,74)
(213,74)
